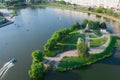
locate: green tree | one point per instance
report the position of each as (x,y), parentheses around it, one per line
(37,70)
(37,56)
(115,15)
(50,44)
(93,24)
(75,26)
(96,25)
(84,23)
(90,24)
(61,2)
(103,25)
(99,10)
(82,49)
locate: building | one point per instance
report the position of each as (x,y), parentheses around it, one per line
(49,0)
(96,3)
(36,1)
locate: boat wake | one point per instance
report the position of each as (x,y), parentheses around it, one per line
(6,67)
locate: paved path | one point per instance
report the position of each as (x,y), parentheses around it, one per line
(96,50)
(60,56)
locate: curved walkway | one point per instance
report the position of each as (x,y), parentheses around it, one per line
(60,56)
(96,50)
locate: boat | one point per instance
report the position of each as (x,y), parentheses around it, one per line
(13,61)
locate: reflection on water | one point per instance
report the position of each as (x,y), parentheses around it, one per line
(30,31)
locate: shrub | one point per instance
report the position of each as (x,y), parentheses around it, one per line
(37,56)
(103,25)
(82,49)
(99,10)
(37,70)
(75,26)
(84,23)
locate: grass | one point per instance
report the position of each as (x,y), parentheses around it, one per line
(67,43)
(2,5)
(93,36)
(14,13)
(81,9)
(97,32)
(75,62)
(97,42)
(73,37)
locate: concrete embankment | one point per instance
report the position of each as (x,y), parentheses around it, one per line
(7,16)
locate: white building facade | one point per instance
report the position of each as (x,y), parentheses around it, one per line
(96,3)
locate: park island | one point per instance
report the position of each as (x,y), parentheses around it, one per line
(68,48)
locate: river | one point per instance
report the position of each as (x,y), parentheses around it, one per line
(31,29)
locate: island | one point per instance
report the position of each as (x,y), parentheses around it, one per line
(68,48)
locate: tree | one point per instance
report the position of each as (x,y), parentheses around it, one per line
(96,25)
(99,10)
(82,49)
(37,70)
(61,2)
(75,26)
(50,44)
(115,15)
(103,25)
(84,23)
(90,24)
(37,56)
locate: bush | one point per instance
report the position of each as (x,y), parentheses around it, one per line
(84,23)
(82,49)
(103,25)
(75,26)
(99,10)
(115,15)
(37,56)
(61,2)
(37,70)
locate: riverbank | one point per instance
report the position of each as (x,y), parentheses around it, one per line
(73,8)
(8,18)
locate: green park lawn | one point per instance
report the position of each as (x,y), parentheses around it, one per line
(69,63)
(97,42)
(2,5)
(67,43)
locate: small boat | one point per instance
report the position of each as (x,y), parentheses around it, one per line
(13,60)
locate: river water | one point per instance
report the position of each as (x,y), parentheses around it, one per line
(30,31)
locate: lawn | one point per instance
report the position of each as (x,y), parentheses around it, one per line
(67,43)
(97,42)
(93,36)
(97,32)
(2,5)
(69,63)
